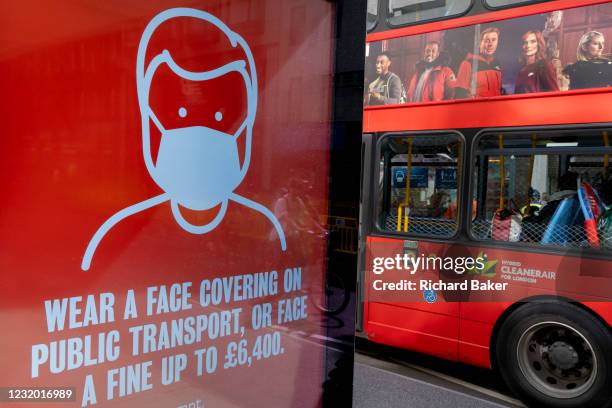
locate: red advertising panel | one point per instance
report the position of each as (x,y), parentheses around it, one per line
(561,50)
(165,191)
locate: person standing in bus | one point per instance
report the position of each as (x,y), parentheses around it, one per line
(433,78)
(592,69)
(387,87)
(537,73)
(480,75)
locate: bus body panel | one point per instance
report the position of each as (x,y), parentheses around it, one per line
(602,309)
(462,331)
(473,338)
(425,331)
(561,108)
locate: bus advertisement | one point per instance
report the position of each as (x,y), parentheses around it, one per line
(487,190)
(164,170)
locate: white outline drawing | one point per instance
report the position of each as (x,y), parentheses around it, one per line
(187,156)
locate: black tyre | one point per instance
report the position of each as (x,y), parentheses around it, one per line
(555,354)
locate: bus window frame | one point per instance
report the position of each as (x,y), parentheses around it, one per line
(510,97)
(486,5)
(529,246)
(377,230)
(376,22)
(416,23)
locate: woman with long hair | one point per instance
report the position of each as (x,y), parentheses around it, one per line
(537,73)
(591,69)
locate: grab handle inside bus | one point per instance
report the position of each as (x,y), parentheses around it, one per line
(502,173)
(534,143)
(406,202)
(606,156)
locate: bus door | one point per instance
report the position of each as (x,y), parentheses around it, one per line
(416,183)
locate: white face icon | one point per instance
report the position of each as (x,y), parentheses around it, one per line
(197,166)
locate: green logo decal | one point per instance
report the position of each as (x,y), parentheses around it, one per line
(487,271)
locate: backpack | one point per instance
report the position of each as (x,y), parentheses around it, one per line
(560,229)
(591,206)
(506,225)
(604,229)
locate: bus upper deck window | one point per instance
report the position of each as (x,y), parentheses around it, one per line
(508,3)
(418,184)
(403,12)
(372,14)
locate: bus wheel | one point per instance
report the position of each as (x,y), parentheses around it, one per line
(555,354)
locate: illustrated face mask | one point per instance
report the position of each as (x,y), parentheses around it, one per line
(197,166)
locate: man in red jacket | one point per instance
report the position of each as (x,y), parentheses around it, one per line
(433,78)
(480,75)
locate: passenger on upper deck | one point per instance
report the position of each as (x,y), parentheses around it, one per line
(537,73)
(387,87)
(433,77)
(480,75)
(592,69)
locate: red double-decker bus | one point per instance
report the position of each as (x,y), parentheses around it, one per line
(486,137)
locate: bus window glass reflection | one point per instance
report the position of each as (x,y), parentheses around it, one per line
(372,14)
(505,3)
(402,12)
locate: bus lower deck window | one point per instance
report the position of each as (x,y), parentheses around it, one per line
(419,183)
(549,189)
